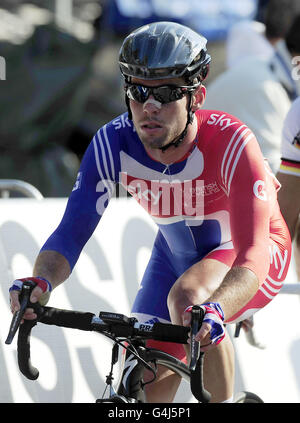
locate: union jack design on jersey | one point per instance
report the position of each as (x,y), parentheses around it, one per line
(200,204)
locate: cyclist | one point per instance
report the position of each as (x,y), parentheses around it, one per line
(288,175)
(221,239)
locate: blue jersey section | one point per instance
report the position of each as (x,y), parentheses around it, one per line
(168,261)
(98,173)
(190,243)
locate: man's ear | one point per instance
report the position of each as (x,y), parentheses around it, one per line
(198,98)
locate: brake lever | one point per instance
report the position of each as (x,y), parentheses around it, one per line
(197,359)
(196,319)
(18,315)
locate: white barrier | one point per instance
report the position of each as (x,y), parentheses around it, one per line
(73,365)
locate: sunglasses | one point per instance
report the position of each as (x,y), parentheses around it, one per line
(163,93)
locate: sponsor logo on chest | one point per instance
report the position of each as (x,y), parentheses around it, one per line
(167,198)
(221,120)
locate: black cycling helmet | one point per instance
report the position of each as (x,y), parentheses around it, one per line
(162,50)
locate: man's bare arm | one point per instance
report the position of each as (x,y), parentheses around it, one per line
(238,287)
(289,199)
(52,266)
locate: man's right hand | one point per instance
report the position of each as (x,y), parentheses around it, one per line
(40,293)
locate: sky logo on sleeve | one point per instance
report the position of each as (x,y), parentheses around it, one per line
(222,120)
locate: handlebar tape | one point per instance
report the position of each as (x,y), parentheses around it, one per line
(50,316)
(170,333)
(197,386)
(67,318)
(24,361)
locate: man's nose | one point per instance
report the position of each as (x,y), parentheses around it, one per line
(152,105)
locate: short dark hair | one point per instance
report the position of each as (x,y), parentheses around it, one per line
(279,16)
(292,38)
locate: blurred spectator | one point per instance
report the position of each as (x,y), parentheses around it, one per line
(261,10)
(258,38)
(43,98)
(246,39)
(211,18)
(289,177)
(259,92)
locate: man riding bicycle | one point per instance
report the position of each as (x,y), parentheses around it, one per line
(221,239)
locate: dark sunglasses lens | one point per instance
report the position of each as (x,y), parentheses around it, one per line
(162,94)
(167,94)
(138,93)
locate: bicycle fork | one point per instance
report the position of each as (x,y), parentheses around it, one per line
(130,385)
(131,381)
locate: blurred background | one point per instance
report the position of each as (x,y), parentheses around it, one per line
(62,81)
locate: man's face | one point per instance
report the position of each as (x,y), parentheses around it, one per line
(158,124)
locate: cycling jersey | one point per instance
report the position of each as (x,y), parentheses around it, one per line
(290,146)
(218,201)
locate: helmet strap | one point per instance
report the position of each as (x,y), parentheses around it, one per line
(177,141)
(128,107)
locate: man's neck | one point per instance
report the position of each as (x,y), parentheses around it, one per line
(174,154)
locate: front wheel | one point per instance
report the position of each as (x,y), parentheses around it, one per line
(247,397)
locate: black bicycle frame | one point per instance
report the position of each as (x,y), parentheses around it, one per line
(131,381)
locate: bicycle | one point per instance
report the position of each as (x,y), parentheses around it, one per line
(131,335)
